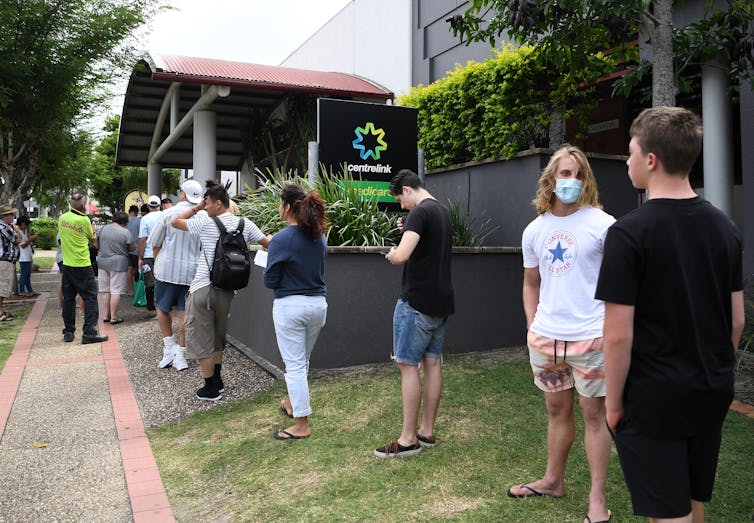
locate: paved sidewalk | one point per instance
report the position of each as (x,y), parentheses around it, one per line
(72,441)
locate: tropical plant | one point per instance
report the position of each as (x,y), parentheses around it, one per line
(469,231)
(354,220)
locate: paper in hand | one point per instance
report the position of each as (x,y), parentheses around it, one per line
(261,258)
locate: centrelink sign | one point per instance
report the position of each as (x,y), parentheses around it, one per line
(372,141)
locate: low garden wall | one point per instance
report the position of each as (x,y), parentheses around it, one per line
(362,288)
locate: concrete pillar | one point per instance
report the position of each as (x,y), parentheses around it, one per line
(718,138)
(154,179)
(313,167)
(175,108)
(205,146)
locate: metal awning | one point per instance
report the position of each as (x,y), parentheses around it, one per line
(250,86)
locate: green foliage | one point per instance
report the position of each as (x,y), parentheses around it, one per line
(276,139)
(570,31)
(46,238)
(43,223)
(354,221)
(57,60)
(469,232)
(109,183)
(499,107)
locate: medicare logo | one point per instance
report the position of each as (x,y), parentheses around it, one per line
(358,144)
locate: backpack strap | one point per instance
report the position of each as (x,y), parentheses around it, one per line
(219,224)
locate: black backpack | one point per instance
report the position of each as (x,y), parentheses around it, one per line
(232,264)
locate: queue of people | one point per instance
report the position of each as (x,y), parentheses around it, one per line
(607,323)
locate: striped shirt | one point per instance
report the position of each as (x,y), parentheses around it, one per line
(179,251)
(203,227)
(148,221)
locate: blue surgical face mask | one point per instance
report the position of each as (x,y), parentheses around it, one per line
(568,190)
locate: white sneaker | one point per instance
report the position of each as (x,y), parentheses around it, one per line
(179,361)
(169,351)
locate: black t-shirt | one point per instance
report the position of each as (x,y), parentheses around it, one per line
(426,284)
(677,262)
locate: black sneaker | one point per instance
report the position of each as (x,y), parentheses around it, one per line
(92,338)
(67,337)
(208,393)
(218,382)
(396,450)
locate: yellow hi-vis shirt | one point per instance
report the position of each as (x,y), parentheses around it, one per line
(75,232)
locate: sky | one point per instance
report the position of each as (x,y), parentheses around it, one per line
(257,31)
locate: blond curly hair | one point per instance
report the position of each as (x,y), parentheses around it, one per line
(546,185)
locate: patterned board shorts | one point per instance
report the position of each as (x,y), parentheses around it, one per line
(561,365)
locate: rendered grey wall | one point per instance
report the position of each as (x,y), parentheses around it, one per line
(361,292)
(435,50)
(503,190)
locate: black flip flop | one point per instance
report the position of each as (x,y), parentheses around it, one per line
(286,412)
(277,435)
(116,321)
(534,493)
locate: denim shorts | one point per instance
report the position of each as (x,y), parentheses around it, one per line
(416,335)
(169,295)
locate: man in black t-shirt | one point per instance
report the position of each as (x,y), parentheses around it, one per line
(671,280)
(422,310)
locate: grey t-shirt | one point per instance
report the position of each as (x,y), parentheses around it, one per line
(113,248)
(133,228)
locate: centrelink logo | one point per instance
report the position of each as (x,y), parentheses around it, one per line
(365,154)
(359,145)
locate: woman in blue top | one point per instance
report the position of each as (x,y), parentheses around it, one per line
(295,271)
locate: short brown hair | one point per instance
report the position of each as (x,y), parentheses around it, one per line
(673,134)
(546,185)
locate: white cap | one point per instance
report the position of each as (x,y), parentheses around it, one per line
(153,201)
(193,190)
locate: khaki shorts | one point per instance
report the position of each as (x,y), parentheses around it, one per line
(561,365)
(114,282)
(206,320)
(7,273)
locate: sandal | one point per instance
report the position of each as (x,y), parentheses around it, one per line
(6,317)
(116,321)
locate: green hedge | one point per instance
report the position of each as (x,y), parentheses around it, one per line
(40,224)
(46,239)
(498,107)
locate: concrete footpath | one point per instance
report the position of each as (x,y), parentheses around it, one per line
(72,441)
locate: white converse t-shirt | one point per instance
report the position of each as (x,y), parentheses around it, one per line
(568,252)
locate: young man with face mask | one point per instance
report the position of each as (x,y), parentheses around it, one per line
(562,250)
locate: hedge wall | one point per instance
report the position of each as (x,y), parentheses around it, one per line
(498,107)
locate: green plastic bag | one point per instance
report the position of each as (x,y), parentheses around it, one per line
(140,292)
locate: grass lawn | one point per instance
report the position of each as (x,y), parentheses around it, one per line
(44,262)
(224,465)
(9,330)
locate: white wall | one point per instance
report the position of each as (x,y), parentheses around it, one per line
(369,38)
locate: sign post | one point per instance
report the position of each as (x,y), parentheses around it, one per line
(371,141)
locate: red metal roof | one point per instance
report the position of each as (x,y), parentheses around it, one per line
(225,72)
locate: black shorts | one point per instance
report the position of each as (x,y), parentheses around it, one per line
(133,260)
(664,475)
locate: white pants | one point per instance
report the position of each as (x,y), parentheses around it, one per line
(298,320)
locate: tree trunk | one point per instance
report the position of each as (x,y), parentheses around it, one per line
(661,35)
